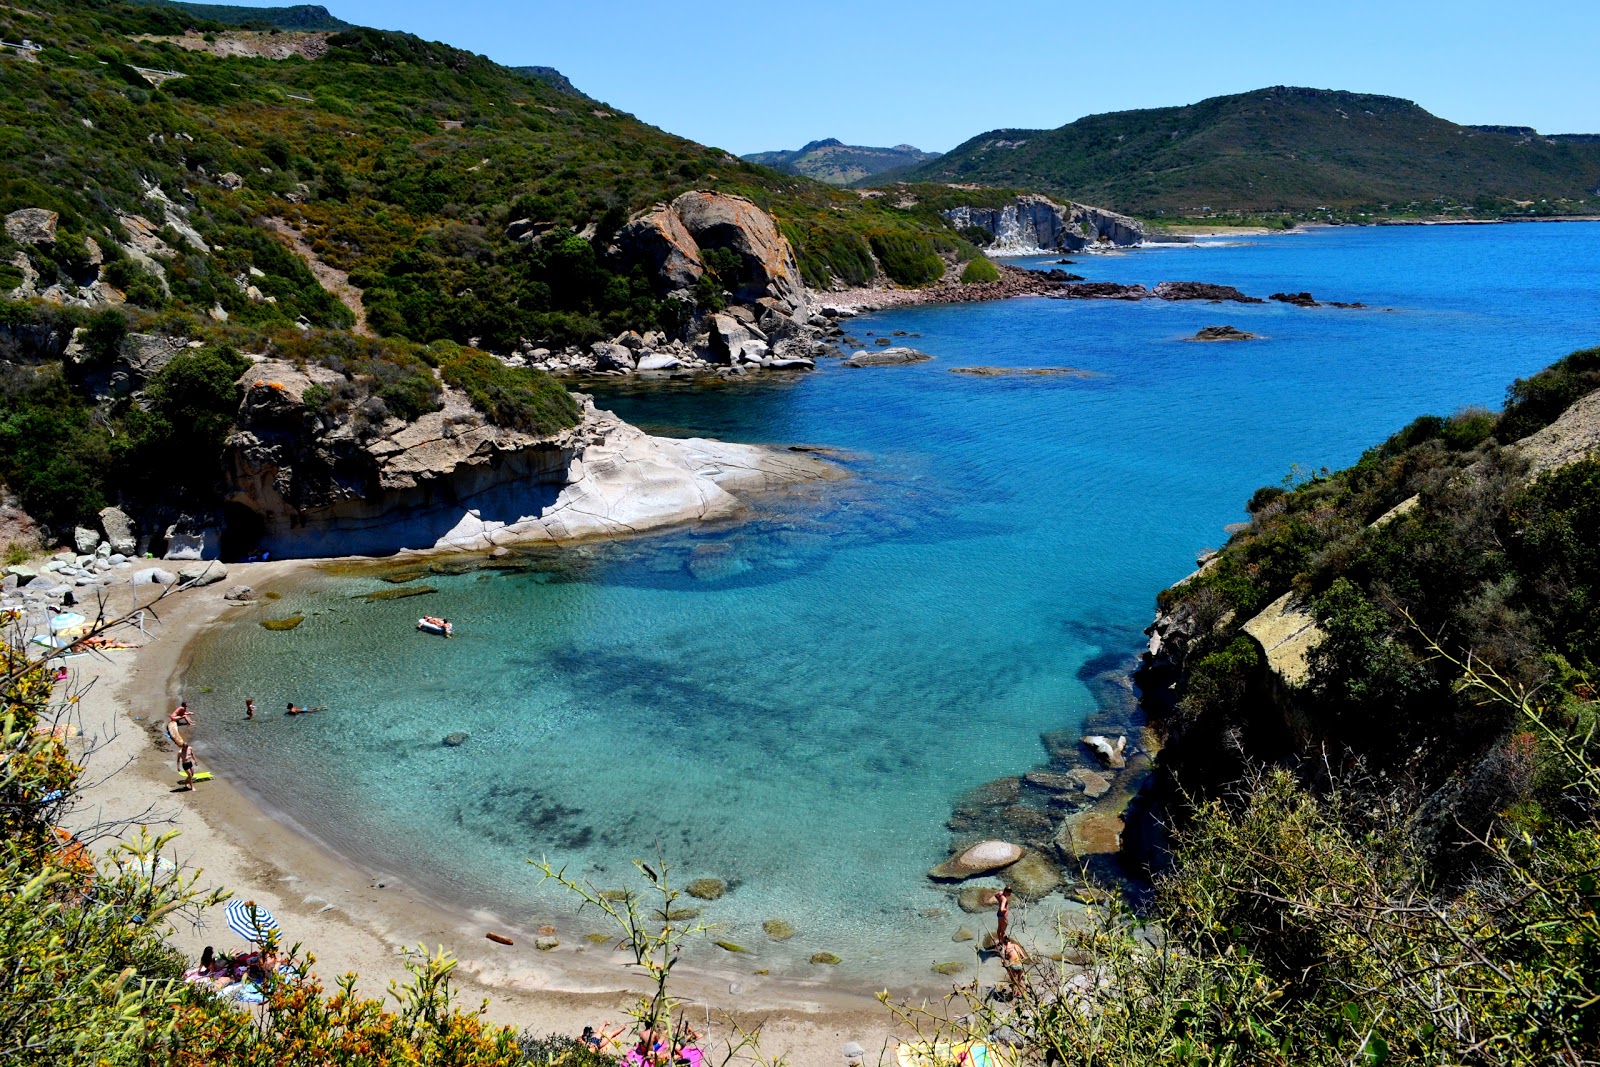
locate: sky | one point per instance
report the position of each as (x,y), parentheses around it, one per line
(759,75)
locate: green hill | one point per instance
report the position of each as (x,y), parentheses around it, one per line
(837,163)
(297,17)
(553,78)
(396,160)
(1283,149)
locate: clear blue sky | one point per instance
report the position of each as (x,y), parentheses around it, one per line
(760,75)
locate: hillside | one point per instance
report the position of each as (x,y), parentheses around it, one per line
(555,79)
(397,161)
(837,163)
(296,17)
(1283,150)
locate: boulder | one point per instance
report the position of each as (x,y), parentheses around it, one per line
(202,574)
(1104,291)
(23,575)
(977,899)
(204,543)
(32,226)
(1095,785)
(728,338)
(889,357)
(1033,877)
(230,180)
(768,266)
(1089,833)
(85,539)
(1112,753)
(659,241)
(612,357)
(658,361)
(153,576)
(981,858)
(240,593)
(1299,300)
(706,888)
(118,530)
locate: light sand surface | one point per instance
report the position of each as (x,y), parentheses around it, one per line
(363,920)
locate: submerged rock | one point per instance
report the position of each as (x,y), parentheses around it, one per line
(981,858)
(777,929)
(824,957)
(977,899)
(1090,833)
(456,740)
(1033,877)
(889,357)
(706,888)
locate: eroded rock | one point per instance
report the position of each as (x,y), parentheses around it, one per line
(889,357)
(981,858)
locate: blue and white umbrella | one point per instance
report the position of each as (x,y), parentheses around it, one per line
(250,920)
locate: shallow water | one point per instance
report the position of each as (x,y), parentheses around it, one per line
(792,704)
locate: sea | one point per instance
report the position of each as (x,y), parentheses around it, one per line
(792,704)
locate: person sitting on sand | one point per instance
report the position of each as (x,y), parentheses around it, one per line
(186,764)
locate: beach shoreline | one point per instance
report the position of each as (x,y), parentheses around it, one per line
(355,919)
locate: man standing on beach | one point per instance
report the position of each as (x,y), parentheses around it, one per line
(249,708)
(186,764)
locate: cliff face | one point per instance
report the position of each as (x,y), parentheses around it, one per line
(451,480)
(1034,221)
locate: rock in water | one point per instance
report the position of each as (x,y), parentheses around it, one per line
(977,899)
(1112,753)
(980,858)
(1089,833)
(889,357)
(1299,300)
(1223,333)
(1095,785)
(706,888)
(1032,877)
(777,929)
(1201,291)
(824,957)
(456,740)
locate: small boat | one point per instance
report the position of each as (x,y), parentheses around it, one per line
(428,624)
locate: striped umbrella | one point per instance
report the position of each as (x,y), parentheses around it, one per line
(250,921)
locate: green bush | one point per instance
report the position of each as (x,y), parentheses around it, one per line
(1534,403)
(980,270)
(907,259)
(519,398)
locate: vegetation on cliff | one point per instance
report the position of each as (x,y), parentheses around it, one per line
(1300,151)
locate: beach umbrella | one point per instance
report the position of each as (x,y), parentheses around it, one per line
(67,620)
(50,641)
(250,921)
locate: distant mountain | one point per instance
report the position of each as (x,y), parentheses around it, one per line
(298,17)
(837,163)
(1278,149)
(555,79)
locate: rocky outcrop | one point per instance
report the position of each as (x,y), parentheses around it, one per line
(1034,222)
(1201,291)
(32,226)
(1287,633)
(888,357)
(451,480)
(669,238)
(1222,333)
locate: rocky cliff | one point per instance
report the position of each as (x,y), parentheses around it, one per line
(1033,222)
(451,480)
(669,239)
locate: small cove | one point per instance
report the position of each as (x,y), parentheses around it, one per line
(792,704)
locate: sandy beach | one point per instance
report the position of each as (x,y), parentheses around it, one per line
(354,919)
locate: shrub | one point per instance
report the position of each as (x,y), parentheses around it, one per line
(518,398)
(908,259)
(980,270)
(1534,403)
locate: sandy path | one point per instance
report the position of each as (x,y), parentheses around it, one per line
(328,276)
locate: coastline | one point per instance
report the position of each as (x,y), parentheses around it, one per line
(353,919)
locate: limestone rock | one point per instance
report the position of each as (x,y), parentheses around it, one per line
(32,226)
(889,357)
(85,539)
(1287,633)
(153,576)
(1111,753)
(1094,784)
(1033,222)
(118,530)
(1033,877)
(198,575)
(1089,833)
(977,899)
(981,858)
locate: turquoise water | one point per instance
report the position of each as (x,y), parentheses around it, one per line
(792,704)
